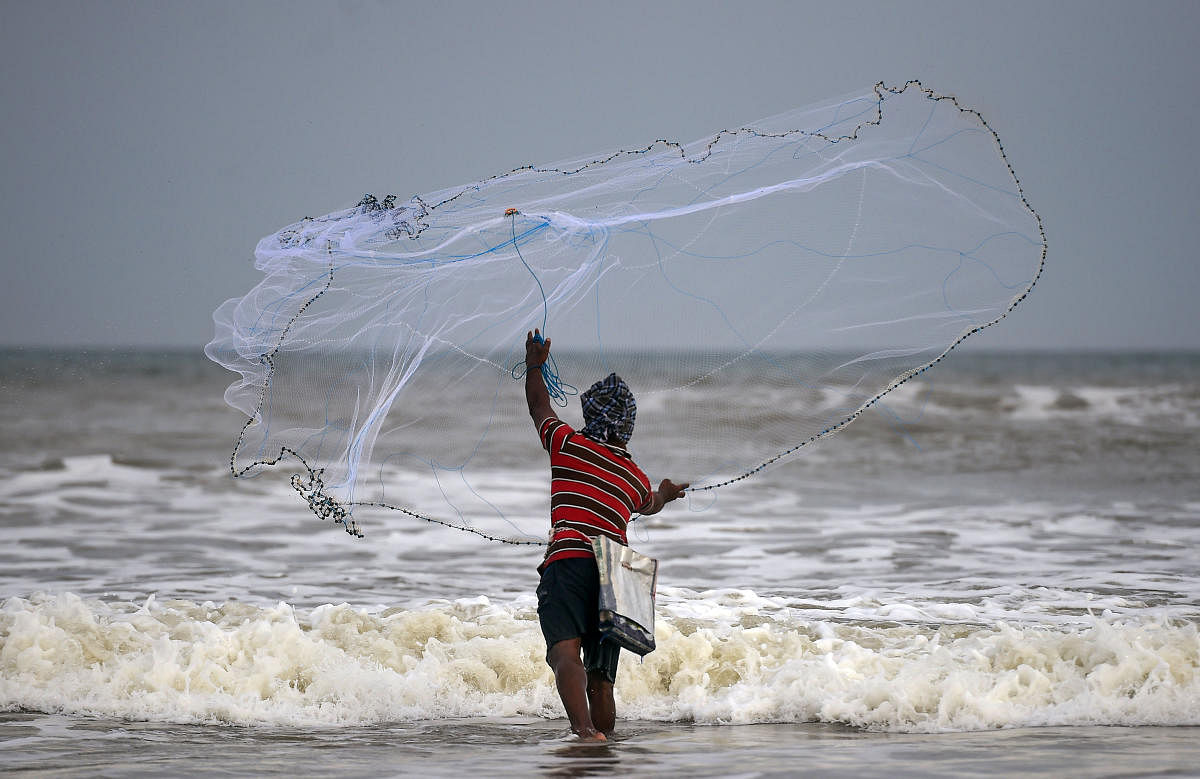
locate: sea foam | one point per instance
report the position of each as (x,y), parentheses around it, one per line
(182,661)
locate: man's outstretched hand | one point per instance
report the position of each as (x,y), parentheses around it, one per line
(669,490)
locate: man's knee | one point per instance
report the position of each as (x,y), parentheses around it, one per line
(564,652)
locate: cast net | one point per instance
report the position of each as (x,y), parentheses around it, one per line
(758,290)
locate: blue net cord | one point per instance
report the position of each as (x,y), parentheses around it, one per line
(558,389)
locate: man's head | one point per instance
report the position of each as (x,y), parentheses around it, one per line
(609,411)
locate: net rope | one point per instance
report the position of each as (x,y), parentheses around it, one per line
(759,290)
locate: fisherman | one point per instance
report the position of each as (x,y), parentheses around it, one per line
(595,487)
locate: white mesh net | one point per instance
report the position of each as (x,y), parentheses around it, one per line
(809,263)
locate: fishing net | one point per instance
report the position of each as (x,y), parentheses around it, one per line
(757,289)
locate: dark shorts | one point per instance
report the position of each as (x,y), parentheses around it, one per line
(569,607)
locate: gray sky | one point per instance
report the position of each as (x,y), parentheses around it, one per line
(147,146)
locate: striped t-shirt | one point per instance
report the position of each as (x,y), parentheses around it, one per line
(594,489)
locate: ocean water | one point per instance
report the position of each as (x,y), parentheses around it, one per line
(994,571)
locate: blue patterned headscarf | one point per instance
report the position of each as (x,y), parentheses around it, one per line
(608,410)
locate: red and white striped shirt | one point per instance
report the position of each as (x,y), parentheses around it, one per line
(594,488)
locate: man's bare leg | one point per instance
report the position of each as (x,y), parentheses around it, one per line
(572,683)
(601,703)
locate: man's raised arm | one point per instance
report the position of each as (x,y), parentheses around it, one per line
(536,354)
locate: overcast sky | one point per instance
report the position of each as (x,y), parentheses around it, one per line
(147,146)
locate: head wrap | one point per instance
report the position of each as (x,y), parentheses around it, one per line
(608,410)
